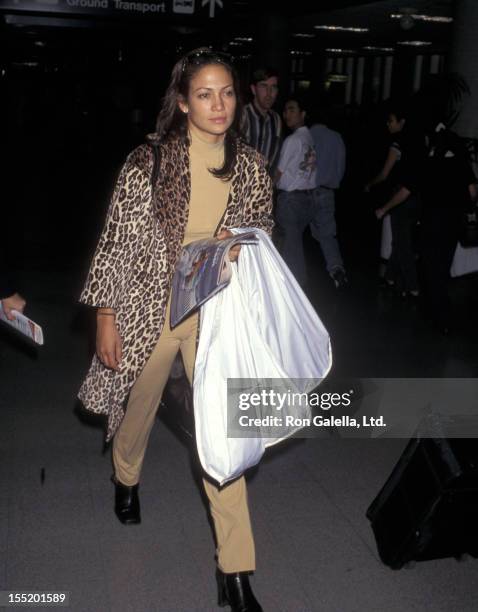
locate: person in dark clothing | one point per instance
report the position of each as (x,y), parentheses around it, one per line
(447,187)
(406,153)
(446,184)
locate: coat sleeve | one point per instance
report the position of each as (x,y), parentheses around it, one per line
(119,240)
(259,205)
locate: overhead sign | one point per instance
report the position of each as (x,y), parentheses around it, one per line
(212,5)
(185,7)
(117,8)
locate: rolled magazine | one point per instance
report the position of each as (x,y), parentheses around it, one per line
(24,325)
(203,270)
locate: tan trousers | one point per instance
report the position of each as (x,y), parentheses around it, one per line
(229,509)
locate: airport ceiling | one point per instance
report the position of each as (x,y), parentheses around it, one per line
(409,23)
(237,23)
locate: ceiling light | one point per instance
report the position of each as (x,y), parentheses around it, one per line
(414,43)
(428,18)
(334,28)
(372,48)
(300,35)
(28,64)
(340,50)
(337,78)
(301,52)
(243,39)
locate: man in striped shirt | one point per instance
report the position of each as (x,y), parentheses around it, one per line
(262,127)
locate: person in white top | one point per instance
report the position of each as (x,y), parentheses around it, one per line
(296,181)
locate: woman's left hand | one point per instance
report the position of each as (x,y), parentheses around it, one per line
(235,250)
(380,213)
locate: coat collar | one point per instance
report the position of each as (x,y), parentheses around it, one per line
(173,191)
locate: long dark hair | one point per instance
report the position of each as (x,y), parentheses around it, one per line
(172,123)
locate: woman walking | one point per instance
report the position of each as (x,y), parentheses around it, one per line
(207,181)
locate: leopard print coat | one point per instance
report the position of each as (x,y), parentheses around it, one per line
(137,253)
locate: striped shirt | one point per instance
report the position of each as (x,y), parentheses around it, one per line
(264,133)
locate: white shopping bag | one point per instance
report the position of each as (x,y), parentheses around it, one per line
(261,326)
(465,261)
(386,238)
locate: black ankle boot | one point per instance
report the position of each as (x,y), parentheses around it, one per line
(235,590)
(127,503)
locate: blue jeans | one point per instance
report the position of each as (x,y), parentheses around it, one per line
(295,211)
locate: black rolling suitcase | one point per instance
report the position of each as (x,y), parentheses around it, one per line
(428,508)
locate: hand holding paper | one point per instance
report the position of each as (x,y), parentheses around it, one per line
(22,324)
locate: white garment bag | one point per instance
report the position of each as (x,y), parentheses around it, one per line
(260,326)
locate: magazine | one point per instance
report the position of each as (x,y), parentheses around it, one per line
(203,269)
(24,325)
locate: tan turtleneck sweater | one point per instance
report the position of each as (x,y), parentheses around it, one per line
(208,194)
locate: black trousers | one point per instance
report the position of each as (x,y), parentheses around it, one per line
(439,237)
(401,267)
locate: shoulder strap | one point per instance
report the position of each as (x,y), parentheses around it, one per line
(156,164)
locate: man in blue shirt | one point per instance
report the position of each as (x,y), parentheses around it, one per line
(330,153)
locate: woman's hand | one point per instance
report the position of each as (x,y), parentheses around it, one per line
(235,250)
(380,213)
(108,341)
(14,302)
